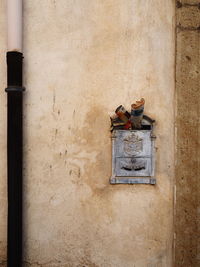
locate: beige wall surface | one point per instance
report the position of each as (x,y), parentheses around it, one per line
(83,58)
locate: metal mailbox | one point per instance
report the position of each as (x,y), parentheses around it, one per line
(133,157)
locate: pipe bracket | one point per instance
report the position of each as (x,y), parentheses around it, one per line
(15,89)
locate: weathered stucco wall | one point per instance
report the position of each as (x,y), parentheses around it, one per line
(82,60)
(187,250)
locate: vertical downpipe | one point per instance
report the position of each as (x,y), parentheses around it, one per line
(14,132)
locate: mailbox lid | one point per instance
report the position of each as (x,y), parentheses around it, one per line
(133,167)
(132,143)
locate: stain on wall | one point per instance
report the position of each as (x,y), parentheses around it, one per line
(187,251)
(82,59)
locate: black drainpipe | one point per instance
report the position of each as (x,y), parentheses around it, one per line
(14,157)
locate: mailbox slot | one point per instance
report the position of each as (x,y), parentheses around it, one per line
(134,167)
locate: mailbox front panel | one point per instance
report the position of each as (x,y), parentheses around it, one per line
(132,156)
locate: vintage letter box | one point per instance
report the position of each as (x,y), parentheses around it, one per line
(133,156)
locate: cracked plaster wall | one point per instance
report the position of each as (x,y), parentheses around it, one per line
(82,60)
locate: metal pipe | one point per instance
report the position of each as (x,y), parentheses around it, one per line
(14,158)
(14,133)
